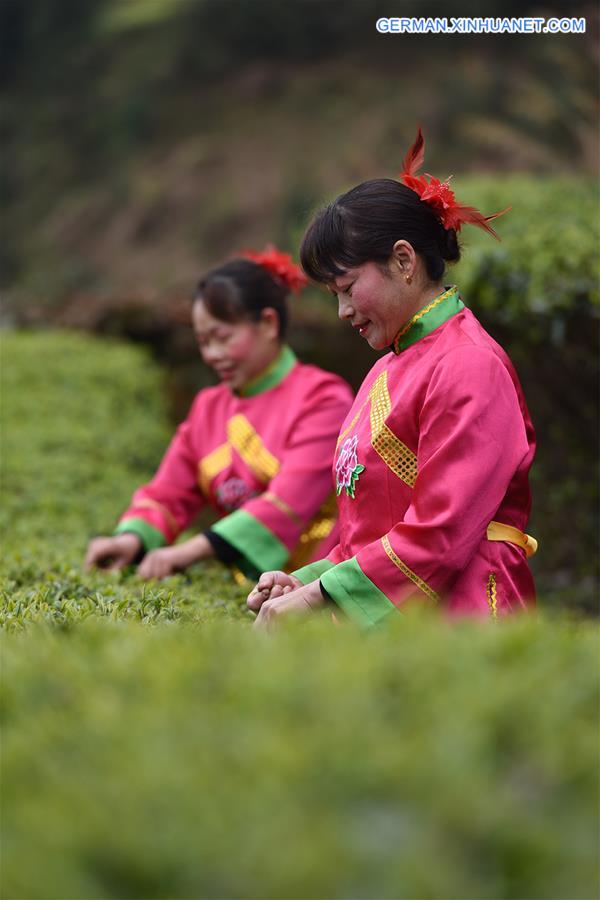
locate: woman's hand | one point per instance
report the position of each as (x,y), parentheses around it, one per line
(160,563)
(112,553)
(271,585)
(302,601)
(168,560)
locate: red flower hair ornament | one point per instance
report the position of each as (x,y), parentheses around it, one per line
(280,265)
(439,195)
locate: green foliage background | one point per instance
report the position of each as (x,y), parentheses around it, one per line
(154,746)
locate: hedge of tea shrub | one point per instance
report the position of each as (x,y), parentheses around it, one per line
(84,423)
(153,746)
(424,761)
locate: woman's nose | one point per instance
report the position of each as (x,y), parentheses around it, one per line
(210,354)
(345,308)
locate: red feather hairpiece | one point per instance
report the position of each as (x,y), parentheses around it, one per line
(280,265)
(439,195)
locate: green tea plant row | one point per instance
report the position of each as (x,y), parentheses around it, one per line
(84,424)
(155,746)
(426,761)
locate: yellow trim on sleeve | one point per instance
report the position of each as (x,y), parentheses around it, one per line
(422,585)
(282,506)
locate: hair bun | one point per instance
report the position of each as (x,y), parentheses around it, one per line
(450,248)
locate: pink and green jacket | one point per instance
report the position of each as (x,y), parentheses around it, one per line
(432,466)
(261,458)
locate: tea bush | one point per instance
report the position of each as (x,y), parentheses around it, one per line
(546,261)
(424,761)
(154,746)
(84,424)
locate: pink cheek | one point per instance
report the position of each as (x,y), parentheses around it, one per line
(360,304)
(239,350)
(369,305)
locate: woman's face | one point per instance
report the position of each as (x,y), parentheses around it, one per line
(376,300)
(237,351)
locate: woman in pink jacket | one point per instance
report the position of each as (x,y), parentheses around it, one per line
(433,459)
(257,448)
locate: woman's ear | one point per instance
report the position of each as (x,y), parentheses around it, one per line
(269,321)
(405,257)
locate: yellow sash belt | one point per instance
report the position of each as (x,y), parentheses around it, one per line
(496,531)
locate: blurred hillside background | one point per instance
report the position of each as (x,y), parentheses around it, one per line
(145,140)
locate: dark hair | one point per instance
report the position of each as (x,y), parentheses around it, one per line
(239,290)
(364,224)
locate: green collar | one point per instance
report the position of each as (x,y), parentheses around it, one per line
(428,319)
(281,366)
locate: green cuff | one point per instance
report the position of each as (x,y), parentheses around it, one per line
(150,537)
(313,570)
(253,540)
(356,594)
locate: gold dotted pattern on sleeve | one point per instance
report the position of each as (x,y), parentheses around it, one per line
(316,531)
(211,465)
(408,572)
(400,459)
(491,595)
(250,447)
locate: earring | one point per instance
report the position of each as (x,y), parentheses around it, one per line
(409,279)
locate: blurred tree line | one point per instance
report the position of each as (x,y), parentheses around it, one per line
(144,140)
(294,98)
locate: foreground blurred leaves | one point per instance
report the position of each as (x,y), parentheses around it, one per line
(424,761)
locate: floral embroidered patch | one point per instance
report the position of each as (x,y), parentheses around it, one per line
(347,468)
(232,493)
